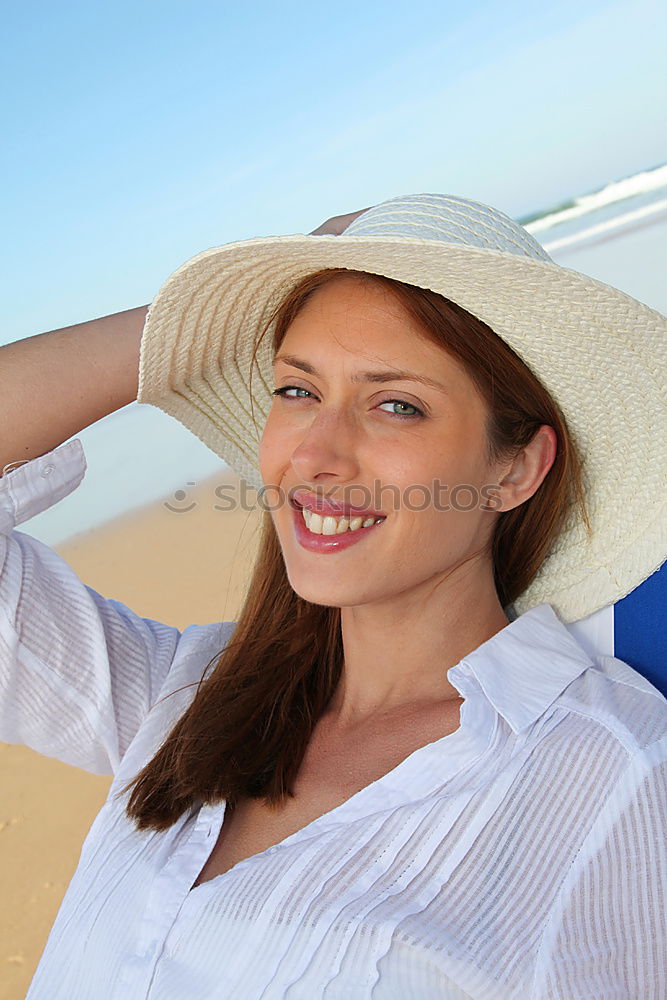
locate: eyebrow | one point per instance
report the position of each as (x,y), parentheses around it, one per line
(384,375)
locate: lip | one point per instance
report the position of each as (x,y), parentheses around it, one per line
(327,543)
(326,506)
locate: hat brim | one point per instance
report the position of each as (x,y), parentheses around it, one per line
(599,352)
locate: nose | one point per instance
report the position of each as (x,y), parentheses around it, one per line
(327,451)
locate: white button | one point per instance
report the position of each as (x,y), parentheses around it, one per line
(47,470)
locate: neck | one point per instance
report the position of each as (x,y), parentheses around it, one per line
(397,653)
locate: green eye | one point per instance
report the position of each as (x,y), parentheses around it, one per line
(401,403)
(284,390)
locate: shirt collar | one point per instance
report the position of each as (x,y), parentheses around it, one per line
(524,668)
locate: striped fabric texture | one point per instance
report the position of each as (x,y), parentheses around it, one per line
(522,856)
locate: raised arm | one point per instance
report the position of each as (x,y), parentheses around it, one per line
(55,384)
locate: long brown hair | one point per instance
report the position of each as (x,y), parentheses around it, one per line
(247,729)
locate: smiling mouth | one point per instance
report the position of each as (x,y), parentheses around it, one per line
(319,524)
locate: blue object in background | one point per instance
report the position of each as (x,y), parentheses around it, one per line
(640,629)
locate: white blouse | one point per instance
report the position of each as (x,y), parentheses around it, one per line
(522,856)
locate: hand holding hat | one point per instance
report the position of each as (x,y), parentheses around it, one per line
(337,224)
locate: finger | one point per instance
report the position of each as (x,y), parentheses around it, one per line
(337,224)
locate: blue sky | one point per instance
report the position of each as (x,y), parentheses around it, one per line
(135,135)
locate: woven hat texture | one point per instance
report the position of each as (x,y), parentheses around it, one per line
(599,352)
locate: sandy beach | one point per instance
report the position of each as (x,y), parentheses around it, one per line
(181,565)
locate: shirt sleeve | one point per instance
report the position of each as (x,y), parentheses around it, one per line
(607,936)
(78,672)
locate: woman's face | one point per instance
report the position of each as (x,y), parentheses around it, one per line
(373,415)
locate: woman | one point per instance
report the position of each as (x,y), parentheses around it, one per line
(383,786)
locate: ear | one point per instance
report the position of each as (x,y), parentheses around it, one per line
(523,476)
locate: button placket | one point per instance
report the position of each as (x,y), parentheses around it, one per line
(166,897)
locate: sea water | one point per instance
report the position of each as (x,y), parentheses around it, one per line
(139,455)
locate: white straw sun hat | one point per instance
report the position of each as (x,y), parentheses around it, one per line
(600,353)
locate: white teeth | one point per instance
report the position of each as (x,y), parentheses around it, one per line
(315,523)
(335,525)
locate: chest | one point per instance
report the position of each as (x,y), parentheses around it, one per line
(332,771)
